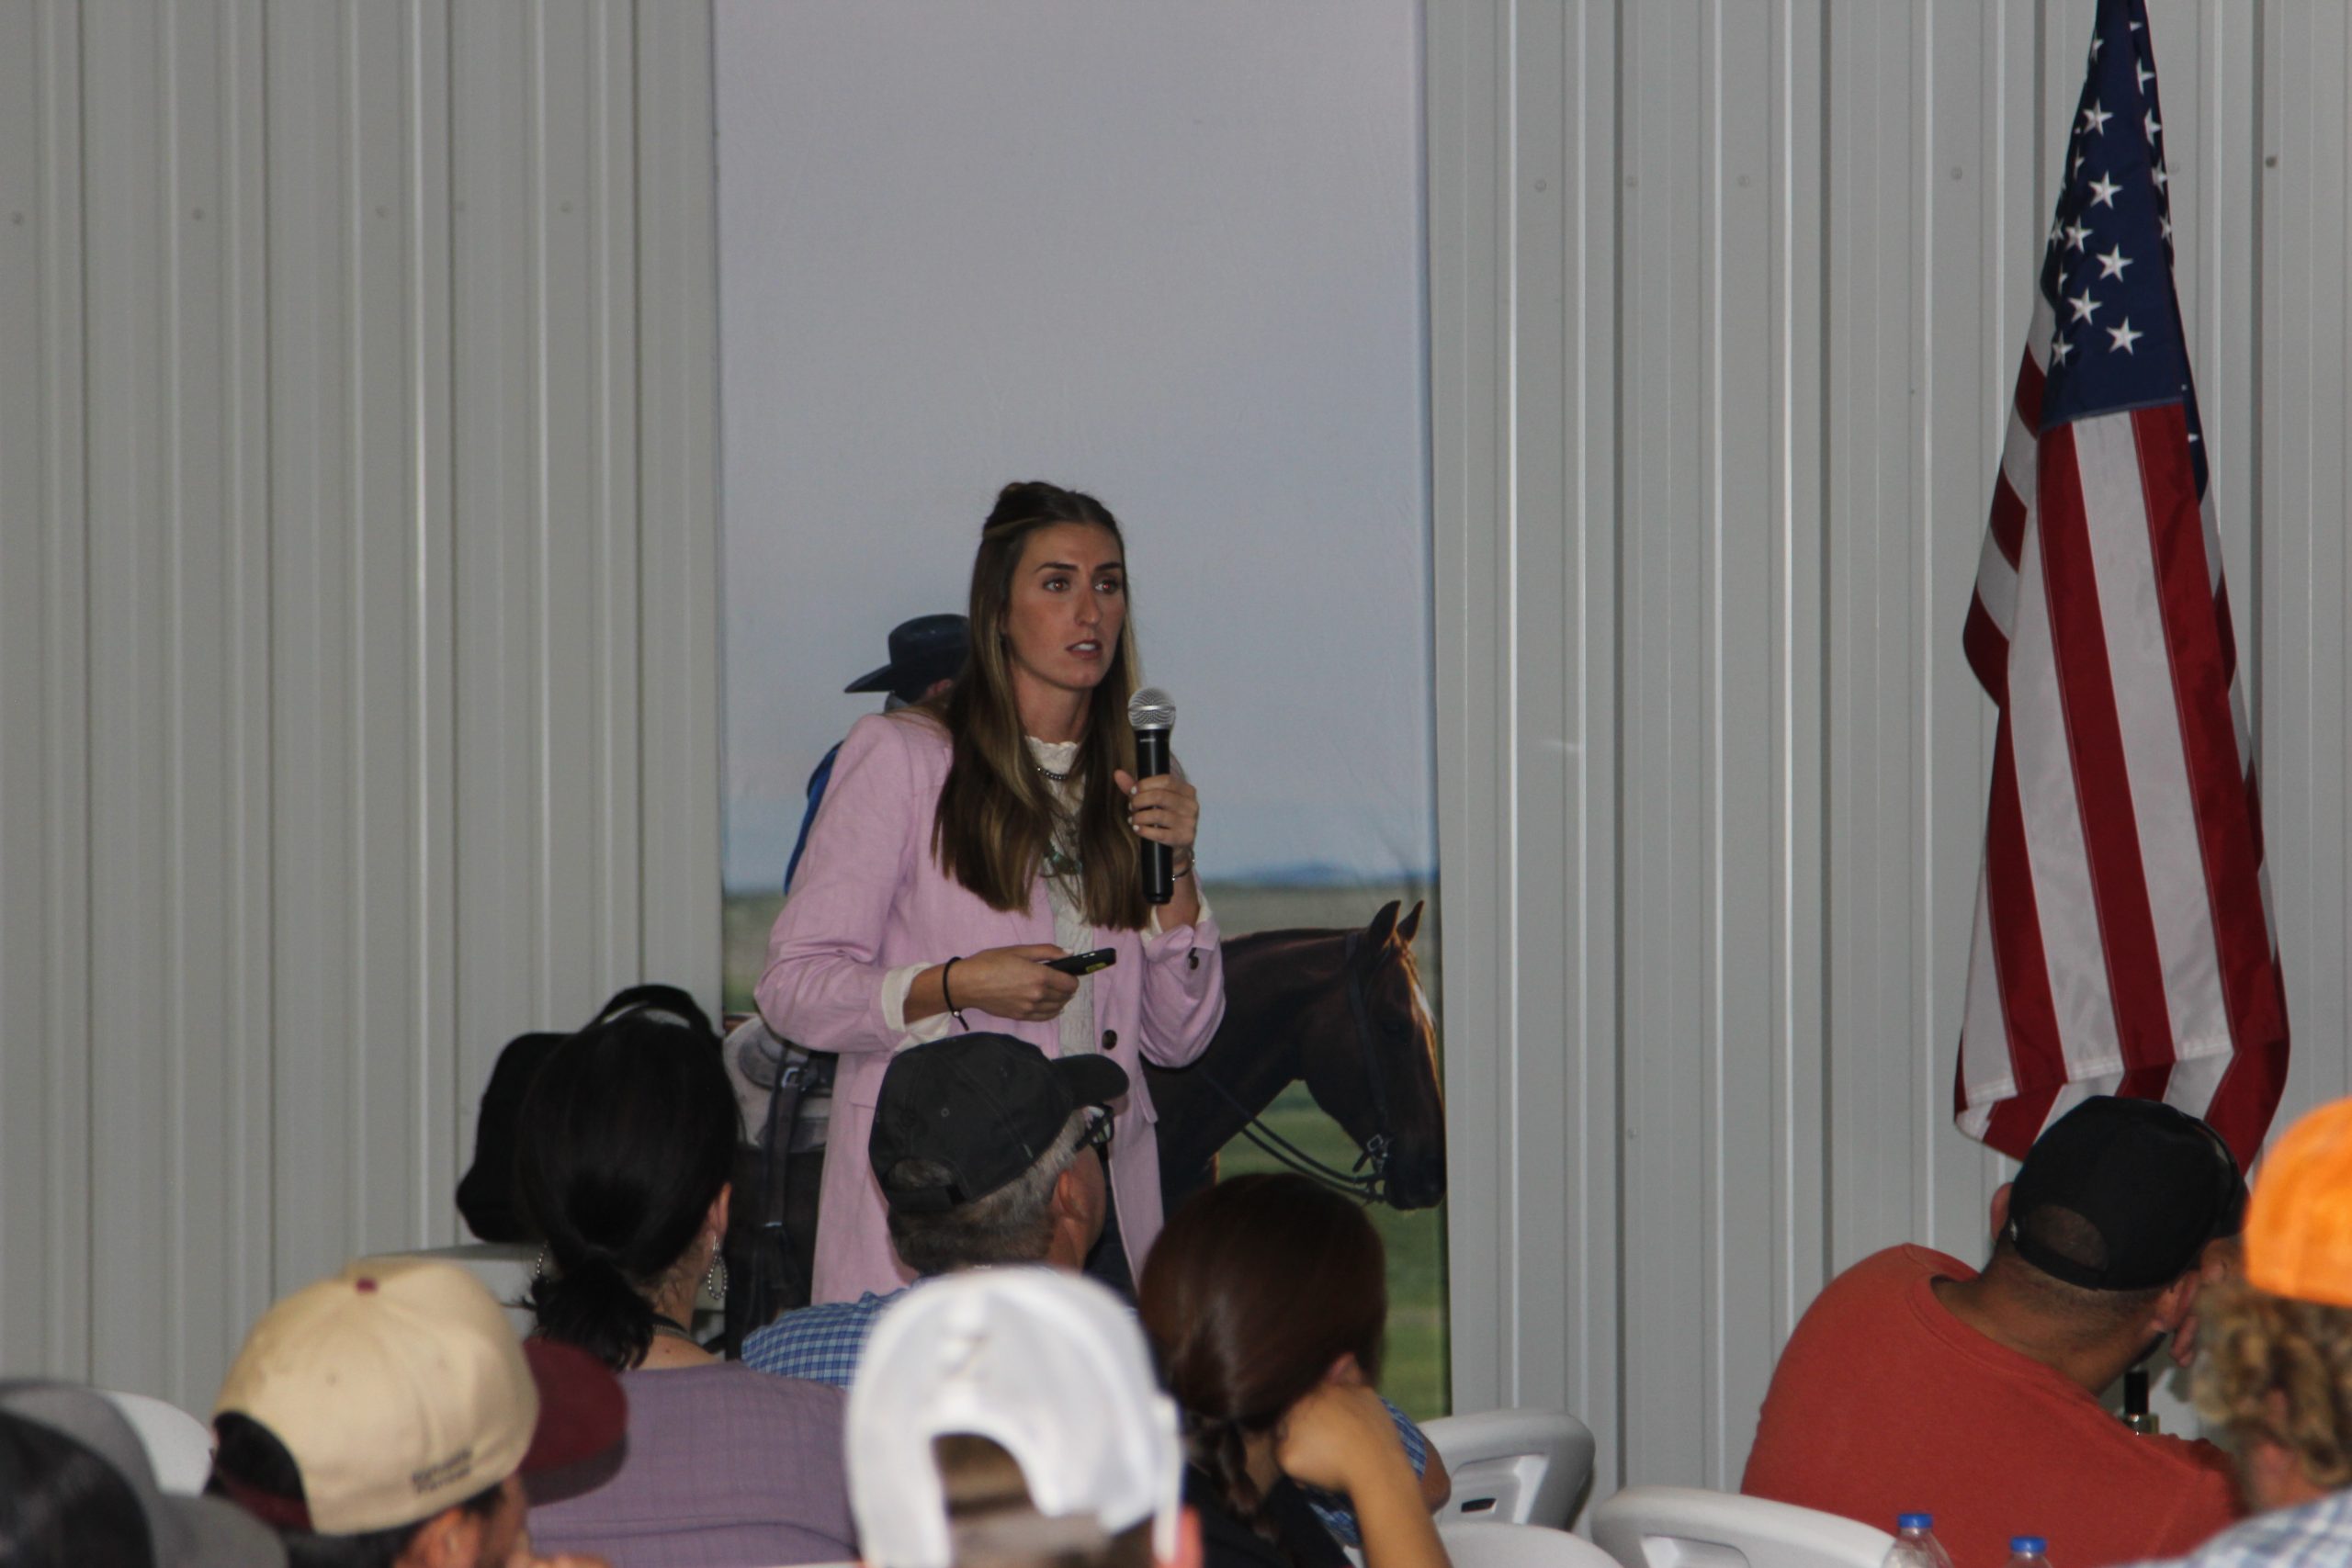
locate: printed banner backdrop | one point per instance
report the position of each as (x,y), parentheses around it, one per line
(1170,255)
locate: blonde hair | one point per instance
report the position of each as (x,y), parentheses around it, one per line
(2254,1343)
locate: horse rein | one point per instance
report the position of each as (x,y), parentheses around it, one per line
(1365,1187)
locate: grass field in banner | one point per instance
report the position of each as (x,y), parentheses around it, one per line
(1416,1376)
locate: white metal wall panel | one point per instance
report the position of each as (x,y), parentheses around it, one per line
(2303,419)
(677,450)
(45,962)
(1726,303)
(1522,219)
(340,607)
(323,649)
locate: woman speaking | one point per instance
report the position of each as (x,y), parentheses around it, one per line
(966,842)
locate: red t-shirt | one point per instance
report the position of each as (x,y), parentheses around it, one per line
(1884,1402)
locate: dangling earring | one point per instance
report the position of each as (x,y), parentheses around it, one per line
(714,1284)
(539,1265)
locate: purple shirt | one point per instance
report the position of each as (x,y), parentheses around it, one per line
(724,1468)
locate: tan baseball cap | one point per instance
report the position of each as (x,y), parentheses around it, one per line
(398,1390)
(2299,1227)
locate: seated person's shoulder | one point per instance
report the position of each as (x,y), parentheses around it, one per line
(743,1382)
(1912,1262)
(785,1400)
(1886,1276)
(820,1342)
(1229,1542)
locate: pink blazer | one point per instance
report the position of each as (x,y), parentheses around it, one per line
(868,899)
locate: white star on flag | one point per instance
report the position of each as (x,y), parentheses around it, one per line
(2124,940)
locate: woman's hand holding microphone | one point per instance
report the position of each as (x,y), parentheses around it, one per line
(1166,809)
(1013,982)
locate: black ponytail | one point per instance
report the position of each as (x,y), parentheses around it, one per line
(626,1138)
(592,1304)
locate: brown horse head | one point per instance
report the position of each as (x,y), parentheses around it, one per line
(1378,1065)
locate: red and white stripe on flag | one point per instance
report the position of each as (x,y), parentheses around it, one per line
(2123,942)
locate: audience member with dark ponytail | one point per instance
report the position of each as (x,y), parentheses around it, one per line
(1266,1300)
(622,1158)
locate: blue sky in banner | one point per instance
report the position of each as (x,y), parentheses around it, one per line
(1169,253)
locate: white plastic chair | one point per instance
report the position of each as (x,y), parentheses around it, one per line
(179,1447)
(1496,1545)
(1685,1527)
(504,1269)
(1514,1467)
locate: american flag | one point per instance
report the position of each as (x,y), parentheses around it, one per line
(2124,940)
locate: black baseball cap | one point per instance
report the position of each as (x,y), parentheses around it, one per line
(2155,1183)
(923,652)
(985,1106)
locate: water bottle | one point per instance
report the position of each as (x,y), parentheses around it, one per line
(2029,1551)
(1916,1545)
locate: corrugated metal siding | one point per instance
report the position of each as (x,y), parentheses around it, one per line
(338,604)
(1726,302)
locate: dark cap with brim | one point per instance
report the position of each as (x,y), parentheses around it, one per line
(923,652)
(2154,1183)
(984,1107)
(182,1532)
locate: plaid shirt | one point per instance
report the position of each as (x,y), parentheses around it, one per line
(2314,1535)
(822,1344)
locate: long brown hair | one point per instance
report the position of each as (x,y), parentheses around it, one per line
(995,815)
(1254,1289)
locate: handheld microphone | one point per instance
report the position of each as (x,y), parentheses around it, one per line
(1153,714)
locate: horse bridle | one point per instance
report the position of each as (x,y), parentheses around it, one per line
(1365,1187)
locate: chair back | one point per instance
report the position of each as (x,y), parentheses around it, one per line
(1524,1466)
(506,1270)
(1495,1545)
(1687,1526)
(179,1447)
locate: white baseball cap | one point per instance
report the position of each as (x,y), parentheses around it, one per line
(1050,1366)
